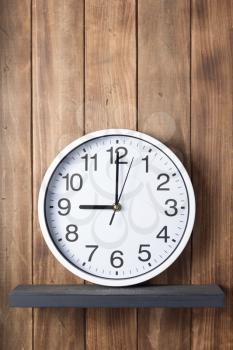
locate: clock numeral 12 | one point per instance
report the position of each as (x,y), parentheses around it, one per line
(122,152)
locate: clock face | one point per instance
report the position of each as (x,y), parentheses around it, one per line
(116,207)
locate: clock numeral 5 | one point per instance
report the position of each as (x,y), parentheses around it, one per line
(122,152)
(147,253)
(116,261)
(75,182)
(86,157)
(163,234)
(71,233)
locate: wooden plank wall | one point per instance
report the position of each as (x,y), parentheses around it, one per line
(68,67)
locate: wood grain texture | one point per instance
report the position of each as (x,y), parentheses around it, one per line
(110,95)
(212,258)
(164,112)
(15,169)
(57,120)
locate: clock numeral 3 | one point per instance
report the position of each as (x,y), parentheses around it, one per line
(94,248)
(64,205)
(71,233)
(122,152)
(173,206)
(163,234)
(75,182)
(116,261)
(86,157)
(147,253)
(166,178)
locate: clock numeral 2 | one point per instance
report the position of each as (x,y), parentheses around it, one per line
(163,234)
(167,178)
(86,157)
(71,233)
(75,182)
(122,152)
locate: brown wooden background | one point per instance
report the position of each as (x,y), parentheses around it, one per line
(68,67)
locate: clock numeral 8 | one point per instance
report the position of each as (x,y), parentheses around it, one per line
(116,261)
(71,233)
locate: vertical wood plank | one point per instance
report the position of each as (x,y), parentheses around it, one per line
(110,95)
(15,168)
(164,112)
(211,102)
(57,120)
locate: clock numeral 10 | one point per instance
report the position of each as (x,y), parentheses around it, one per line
(75,182)
(86,157)
(71,233)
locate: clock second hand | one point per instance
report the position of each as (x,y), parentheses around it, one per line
(117,206)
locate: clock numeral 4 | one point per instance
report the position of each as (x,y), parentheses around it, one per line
(94,248)
(71,233)
(116,261)
(75,182)
(173,206)
(87,157)
(146,253)
(163,234)
(64,205)
(122,152)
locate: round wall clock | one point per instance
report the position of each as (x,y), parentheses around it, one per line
(116,207)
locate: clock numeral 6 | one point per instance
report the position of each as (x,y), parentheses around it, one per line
(173,206)
(163,234)
(64,205)
(147,253)
(116,261)
(75,182)
(71,233)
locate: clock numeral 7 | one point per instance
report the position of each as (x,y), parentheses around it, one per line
(86,157)
(94,248)
(75,182)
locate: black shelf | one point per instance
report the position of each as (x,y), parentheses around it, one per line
(85,296)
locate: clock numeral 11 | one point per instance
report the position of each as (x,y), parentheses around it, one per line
(87,157)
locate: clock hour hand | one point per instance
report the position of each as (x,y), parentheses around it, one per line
(96,206)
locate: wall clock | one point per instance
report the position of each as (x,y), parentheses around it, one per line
(116,207)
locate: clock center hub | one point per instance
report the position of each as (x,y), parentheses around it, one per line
(117,207)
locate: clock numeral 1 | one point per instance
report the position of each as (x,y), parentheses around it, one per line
(147,253)
(166,178)
(71,233)
(75,182)
(86,157)
(122,152)
(94,248)
(64,205)
(147,163)
(116,261)
(163,234)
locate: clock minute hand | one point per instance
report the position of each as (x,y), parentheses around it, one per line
(117,204)
(96,206)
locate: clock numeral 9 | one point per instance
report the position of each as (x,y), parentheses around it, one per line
(86,157)
(166,178)
(116,261)
(122,152)
(75,182)
(163,234)
(64,205)
(147,253)
(71,233)
(173,206)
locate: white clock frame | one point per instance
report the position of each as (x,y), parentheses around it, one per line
(95,279)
